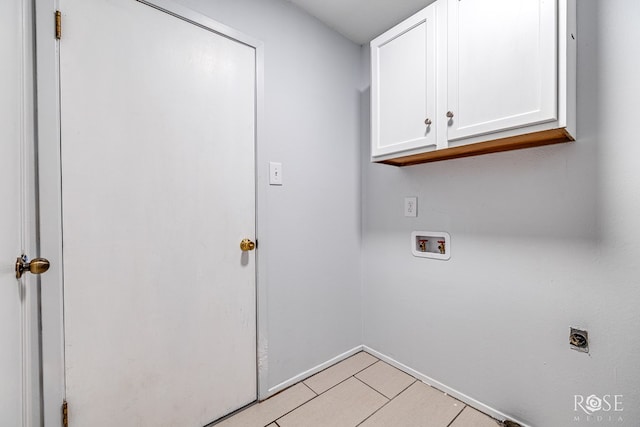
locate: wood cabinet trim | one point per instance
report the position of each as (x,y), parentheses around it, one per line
(529,140)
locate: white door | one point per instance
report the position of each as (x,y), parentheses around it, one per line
(158,190)
(18,298)
(10,222)
(403,90)
(502,65)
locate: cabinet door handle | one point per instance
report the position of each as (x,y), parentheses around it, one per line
(450,114)
(427,122)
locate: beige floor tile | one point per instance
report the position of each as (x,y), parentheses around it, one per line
(323,381)
(271,409)
(417,406)
(345,405)
(472,418)
(273,425)
(386,379)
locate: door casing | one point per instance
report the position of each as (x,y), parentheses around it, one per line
(50,195)
(21,32)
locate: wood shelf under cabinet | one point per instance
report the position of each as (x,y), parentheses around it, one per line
(529,140)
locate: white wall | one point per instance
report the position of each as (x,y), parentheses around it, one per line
(542,239)
(311,232)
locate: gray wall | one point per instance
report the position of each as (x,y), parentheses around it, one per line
(542,239)
(311,230)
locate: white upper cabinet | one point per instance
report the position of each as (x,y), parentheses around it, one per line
(490,75)
(501,65)
(404,88)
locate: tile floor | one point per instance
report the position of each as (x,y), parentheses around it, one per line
(360,391)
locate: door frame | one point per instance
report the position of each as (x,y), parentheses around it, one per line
(29,285)
(50,196)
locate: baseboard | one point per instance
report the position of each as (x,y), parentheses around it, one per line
(442,387)
(419,375)
(306,374)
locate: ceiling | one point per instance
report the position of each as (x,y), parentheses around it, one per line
(361,20)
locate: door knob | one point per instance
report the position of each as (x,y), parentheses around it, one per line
(247,245)
(427,122)
(36,266)
(450,114)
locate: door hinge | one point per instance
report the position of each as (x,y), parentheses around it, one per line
(65,414)
(58,25)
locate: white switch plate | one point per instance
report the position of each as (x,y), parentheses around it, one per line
(411,206)
(275,173)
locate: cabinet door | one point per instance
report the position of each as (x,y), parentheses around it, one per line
(502,65)
(403,86)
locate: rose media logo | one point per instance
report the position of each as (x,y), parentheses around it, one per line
(597,409)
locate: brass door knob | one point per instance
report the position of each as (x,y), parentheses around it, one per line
(247,245)
(36,266)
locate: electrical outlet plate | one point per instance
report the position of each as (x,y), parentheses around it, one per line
(579,340)
(411,207)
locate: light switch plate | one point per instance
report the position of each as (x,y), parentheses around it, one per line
(411,206)
(275,173)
